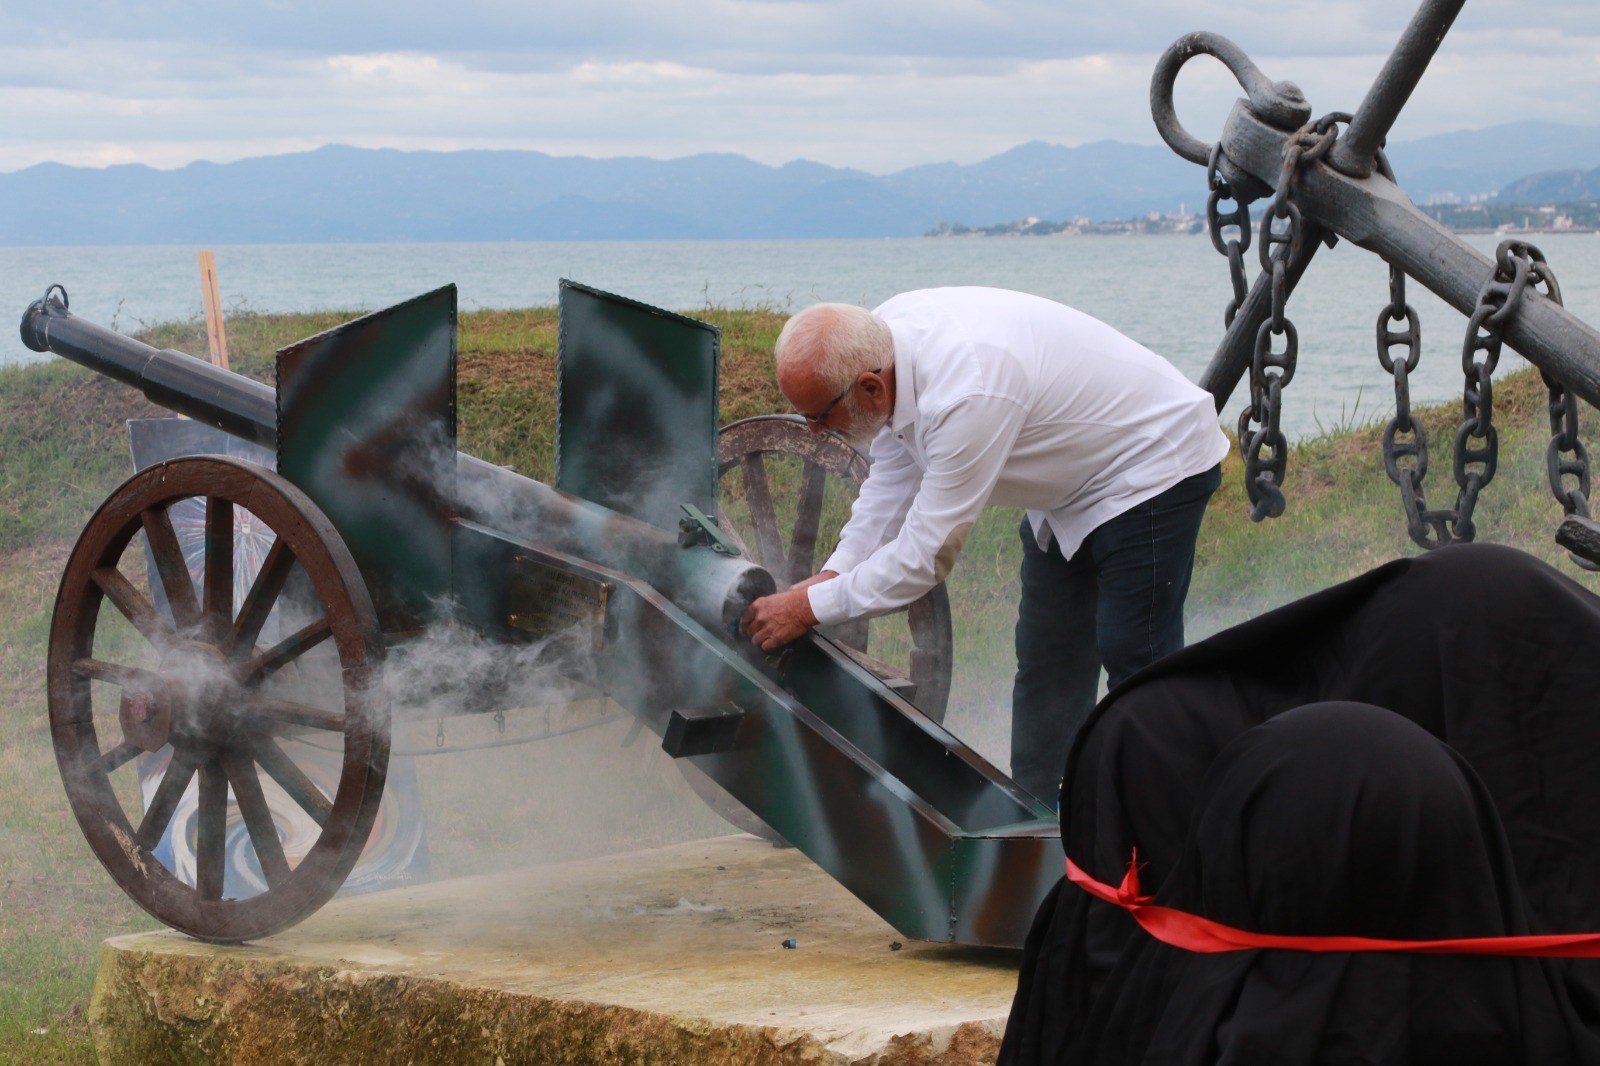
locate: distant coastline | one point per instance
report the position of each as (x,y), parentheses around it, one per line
(1179,222)
(1477,218)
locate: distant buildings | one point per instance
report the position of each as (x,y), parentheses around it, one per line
(1487,217)
(1478,214)
(1180,221)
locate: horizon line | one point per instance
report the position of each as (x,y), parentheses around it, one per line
(798,160)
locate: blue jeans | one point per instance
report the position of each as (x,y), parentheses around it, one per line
(1118,602)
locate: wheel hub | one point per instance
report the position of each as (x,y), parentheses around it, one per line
(196,700)
(146,717)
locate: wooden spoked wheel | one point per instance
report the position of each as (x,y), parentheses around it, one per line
(179,676)
(786,492)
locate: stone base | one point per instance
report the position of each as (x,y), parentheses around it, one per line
(670,956)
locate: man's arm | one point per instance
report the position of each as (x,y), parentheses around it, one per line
(967,447)
(880,506)
(876,515)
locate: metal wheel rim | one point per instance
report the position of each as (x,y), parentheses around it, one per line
(230,759)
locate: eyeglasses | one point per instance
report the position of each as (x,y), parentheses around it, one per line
(822,416)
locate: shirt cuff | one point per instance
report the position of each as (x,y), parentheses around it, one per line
(827,601)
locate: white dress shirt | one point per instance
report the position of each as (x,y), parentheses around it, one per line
(1014,400)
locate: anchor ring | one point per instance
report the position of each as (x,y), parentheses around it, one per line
(1280,103)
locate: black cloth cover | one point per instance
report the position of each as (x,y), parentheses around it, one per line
(1483,647)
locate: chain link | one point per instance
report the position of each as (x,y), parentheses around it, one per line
(1218,220)
(1565,456)
(1477,445)
(1405,442)
(1266,451)
(1475,455)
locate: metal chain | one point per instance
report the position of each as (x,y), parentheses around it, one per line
(1266,451)
(1477,446)
(1405,443)
(1476,452)
(1565,456)
(1217,220)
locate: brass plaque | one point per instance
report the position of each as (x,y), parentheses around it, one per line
(547,597)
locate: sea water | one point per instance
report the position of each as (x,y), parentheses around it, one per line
(1167,291)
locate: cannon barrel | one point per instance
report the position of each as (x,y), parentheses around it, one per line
(170,379)
(713,589)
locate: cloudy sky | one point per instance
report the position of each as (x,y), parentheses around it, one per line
(874,84)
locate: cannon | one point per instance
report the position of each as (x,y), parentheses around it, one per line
(375,531)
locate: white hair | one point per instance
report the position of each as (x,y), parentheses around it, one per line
(834,342)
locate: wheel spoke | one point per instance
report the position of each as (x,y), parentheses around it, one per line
(165,801)
(808,516)
(286,650)
(293,780)
(257,815)
(132,605)
(218,580)
(117,674)
(211,855)
(171,567)
(758,495)
(118,756)
(276,714)
(258,602)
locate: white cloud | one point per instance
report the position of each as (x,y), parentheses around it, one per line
(879,85)
(395,67)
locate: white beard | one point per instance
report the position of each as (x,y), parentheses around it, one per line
(860,427)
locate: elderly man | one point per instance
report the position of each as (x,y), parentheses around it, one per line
(974,396)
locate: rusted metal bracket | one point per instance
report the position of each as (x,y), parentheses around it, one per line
(698,529)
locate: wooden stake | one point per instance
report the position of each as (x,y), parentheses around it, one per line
(216,336)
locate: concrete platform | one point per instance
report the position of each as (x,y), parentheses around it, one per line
(667,956)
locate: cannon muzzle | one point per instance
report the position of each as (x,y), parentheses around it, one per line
(171,379)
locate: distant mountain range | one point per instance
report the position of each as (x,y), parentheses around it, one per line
(341,194)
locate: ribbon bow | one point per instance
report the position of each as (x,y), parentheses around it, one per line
(1192,932)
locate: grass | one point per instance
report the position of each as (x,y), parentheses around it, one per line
(63,448)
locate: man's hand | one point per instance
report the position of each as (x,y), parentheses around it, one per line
(773,621)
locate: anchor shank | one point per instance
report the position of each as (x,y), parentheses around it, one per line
(1356,150)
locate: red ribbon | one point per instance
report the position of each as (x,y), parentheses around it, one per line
(1191,932)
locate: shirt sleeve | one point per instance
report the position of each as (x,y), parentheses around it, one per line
(966,447)
(880,507)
